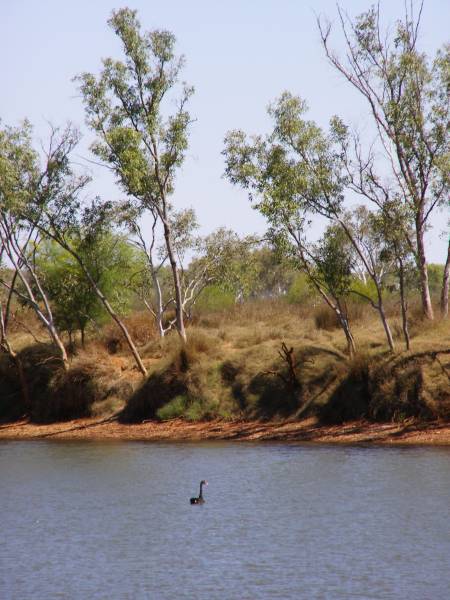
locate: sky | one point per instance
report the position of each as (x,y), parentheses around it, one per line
(240,56)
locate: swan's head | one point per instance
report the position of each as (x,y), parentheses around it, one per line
(203,482)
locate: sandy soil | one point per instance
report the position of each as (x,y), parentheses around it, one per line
(309,430)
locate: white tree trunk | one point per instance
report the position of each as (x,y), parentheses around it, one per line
(445,286)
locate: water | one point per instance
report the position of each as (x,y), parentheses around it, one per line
(113,520)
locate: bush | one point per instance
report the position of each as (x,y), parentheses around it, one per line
(300,291)
(173,409)
(214,299)
(71,395)
(157,390)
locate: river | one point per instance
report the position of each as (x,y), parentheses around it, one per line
(113,520)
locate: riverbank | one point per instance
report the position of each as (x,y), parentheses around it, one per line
(263,364)
(308,430)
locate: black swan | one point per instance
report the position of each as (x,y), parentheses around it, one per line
(200,499)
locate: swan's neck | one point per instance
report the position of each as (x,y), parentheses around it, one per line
(201,491)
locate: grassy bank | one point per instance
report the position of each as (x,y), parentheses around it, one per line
(259,361)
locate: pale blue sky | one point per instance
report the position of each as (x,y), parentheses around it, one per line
(240,56)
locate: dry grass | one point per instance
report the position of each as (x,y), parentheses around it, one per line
(230,367)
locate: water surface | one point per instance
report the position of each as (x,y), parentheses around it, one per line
(113,520)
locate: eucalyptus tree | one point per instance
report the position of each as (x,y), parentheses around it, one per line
(23,188)
(291,175)
(407,97)
(77,230)
(42,201)
(294,173)
(329,265)
(367,236)
(128,107)
(388,229)
(108,258)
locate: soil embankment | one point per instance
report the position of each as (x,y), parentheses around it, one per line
(255,376)
(308,430)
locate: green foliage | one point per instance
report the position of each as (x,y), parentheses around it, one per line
(173,409)
(275,274)
(125,107)
(109,259)
(19,167)
(228,261)
(333,262)
(359,288)
(300,290)
(214,298)
(435,277)
(293,173)
(293,170)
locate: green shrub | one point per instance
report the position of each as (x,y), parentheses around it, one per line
(173,409)
(197,412)
(359,287)
(299,291)
(214,299)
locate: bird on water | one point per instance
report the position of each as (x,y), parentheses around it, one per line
(200,499)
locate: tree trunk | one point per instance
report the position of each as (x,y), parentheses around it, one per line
(335,306)
(404,305)
(159,306)
(176,282)
(380,308)
(58,343)
(445,285)
(47,319)
(383,318)
(387,329)
(351,347)
(427,307)
(121,326)
(343,320)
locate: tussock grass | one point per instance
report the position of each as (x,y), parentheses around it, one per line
(141,327)
(325,318)
(231,367)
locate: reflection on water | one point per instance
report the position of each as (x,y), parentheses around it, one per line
(113,520)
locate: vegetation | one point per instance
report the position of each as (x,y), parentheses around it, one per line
(228,326)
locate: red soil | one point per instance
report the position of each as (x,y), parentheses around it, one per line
(359,432)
